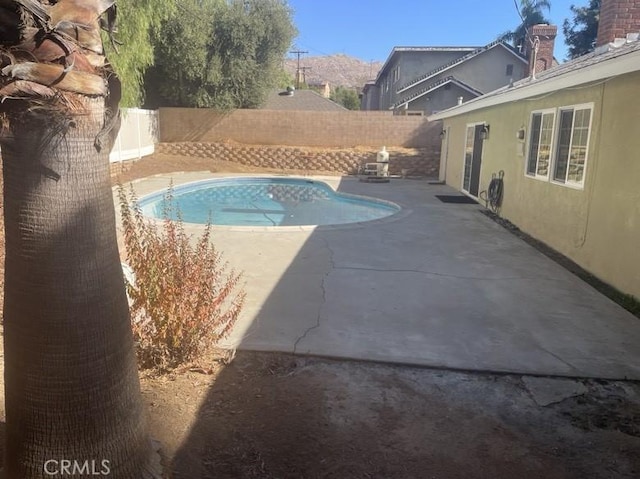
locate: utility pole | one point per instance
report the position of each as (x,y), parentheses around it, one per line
(298,53)
(303,70)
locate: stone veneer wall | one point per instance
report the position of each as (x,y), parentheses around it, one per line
(417,161)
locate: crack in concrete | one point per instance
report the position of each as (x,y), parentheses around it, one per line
(573,368)
(324,297)
(433,273)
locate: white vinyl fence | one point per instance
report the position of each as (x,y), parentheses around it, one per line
(138,135)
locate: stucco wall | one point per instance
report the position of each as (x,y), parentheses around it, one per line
(488,71)
(597,226)
(297,128)
(370,98)
(613,237)
(441,99)
(484,72)
(413,65)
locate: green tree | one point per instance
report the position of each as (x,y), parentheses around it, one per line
(582,32)
(347,97)
(71,382)
(221,54)
(531,13)
(138,22)
(182,54)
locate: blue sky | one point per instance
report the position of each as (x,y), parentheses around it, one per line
(369,29)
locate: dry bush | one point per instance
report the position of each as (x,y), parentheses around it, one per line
(185,297)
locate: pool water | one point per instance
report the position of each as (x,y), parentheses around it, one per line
(265,202)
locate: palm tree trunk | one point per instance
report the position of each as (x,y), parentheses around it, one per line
(71,383)
(72,395)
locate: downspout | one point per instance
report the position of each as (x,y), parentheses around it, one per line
(444,154)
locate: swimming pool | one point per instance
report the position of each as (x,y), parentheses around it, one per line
(266,202)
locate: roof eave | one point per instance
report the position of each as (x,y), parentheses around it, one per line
(386,64)
(452,80)
(455,65)
(417,49)
(614,67)
(508,48)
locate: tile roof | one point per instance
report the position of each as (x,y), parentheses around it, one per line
(598,65)
(434,86)
(474,53)
(301,100)
(436,49)
(467,50)
(579,63)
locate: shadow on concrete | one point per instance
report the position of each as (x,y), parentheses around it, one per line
(273,416)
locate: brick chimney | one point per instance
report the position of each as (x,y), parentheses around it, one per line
(617,18)
(542,38)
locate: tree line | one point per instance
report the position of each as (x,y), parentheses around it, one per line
(580,32)
(201,53)
(228,54)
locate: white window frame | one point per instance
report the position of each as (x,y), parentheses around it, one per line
(535,174)
(464,156)
(568,183)
(396,74)
(554,145)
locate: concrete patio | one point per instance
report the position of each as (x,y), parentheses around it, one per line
(437,285)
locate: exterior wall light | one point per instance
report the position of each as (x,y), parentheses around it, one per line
(484,133)
(520,134)
(443,134)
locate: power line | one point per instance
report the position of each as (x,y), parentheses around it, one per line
(304,73)
(298,53)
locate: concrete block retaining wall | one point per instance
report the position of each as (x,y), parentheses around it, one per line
(417,161)
(325,129)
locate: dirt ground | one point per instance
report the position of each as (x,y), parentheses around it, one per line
(273,416)
(276,416)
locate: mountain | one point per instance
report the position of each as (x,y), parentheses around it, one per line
(337,70)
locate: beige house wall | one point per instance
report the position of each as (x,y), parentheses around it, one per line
(598,226)
(614,238)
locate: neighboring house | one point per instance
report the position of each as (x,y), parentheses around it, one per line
(369,99)
(301,100)
(322,88)
(568,142)
(430,79)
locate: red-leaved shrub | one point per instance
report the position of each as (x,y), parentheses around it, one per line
(185,297)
